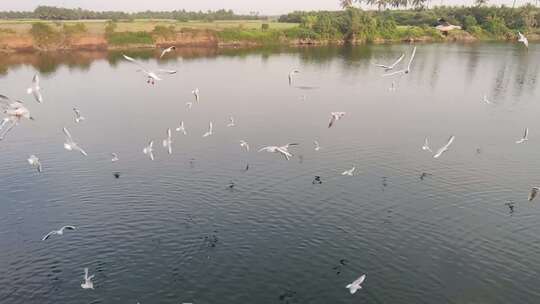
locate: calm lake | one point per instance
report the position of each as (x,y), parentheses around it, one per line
(173,231)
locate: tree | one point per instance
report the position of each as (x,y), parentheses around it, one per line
(480,2)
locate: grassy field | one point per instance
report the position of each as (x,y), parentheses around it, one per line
(98,26)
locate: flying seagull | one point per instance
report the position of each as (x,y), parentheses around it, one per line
(189,105)
(70,144)
(15,112)
(57,232)
(283,150)
(523,39)
(533,193)
(231,122)
(357,284)
(525,137)
(181,128)
(196,94)
(335,116)
(210,130)
(244,145)
(426,147)
(291,74)
(35,90)
(152,76)
(486,100)
(78,116)
(445,147)
(87,284)
(167,142)
(349,172)
(34,162)
(391,67)
(317,146)
(408,69)
(167,50)
(114,157)
(149,150)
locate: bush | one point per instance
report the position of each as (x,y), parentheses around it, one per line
(469,22)
(75,29)
(110,27)
(164,32)
(44,35)
(123,38)
(265,27)
(301,33)
(496,26)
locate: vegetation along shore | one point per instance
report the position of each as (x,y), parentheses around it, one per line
(53,29)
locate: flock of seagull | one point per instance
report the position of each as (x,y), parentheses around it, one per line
(15,111)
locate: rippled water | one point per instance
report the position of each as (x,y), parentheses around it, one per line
(171,231)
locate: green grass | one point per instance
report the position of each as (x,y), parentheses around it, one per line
(126,38)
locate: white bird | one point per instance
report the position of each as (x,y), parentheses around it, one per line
(210,130)
(152,76)
(15,112)
(34,162)
(57,232)
(35,89)
(291,74)
(533,193)
(189,105)
(349,172)
(167,142)
(149,150)
(523,39)
(87,284)
(78,116)
(317,146)
(283,150)
(445,147)
(335,116)
(167,50)
(486,100)
(244,145)
(356,285)
(390,67)
(181,128)
(114,157)
(70,144)
(231,122)
(525,137)
(426,147)
(408,69)
(196,94)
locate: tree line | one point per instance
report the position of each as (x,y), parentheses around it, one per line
(59,13)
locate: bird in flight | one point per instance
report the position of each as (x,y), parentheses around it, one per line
(349,172)
(231,122)
(533,193)
(445,147)
(408,69)
(486,100)
(149,150)
(35,89)
(283,150)
(291,75)
(57,232)
(87,284)
(196,94)
(152,76)
(524,138)
(34,162)
(78,116)
(390,67)
(523,39)
(15,112)
(335,116)
(114,157)
(181,128)
(244,145)
(167,142)
(356,285)
(70,144)
(426,147)
(167,50)
(317,146)
(210,130)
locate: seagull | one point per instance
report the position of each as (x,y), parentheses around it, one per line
(349,172)
(525,137)
(390,67)
(152,76)
(335,116)
(408,69)
(149,150)
(167,50)
(244,145)
(114,157)
(88,284)
(167,142)
(231,123)
(196,94)
(57,232)
(357,284)
(393,87)
(291,74)
(15,111)
(523,39)
(445,147)
(533,193)
(189,105)
(486,100)
(70,144)
(35,90)
(317,146)
(181,128)
(78,116)
(34,162)
(283,150)
(210,130)
(426,147)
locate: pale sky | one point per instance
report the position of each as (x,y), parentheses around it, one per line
(265,7)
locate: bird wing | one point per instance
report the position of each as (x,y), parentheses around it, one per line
(169,133)
(78,148)
(394,73)
(267,148)
(526,133)
(397,61)
(381,65)
(332,120)
(411,60)
(35,80)
(85,273)
(360,280)
(48,235)
(169,72)
(68,135)
(136,62)
(37,95)
(68,228)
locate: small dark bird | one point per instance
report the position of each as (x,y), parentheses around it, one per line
(247,167)
(533,193)
(510,206)
(317,180)
(231,185)
(116,175)
(424,174)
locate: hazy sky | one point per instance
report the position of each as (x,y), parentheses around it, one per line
(240,6)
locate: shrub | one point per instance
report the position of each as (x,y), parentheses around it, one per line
(265,27)
(164,32)
(469,22)
(44,35)
(75,29)
(110,27)
(496,26)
